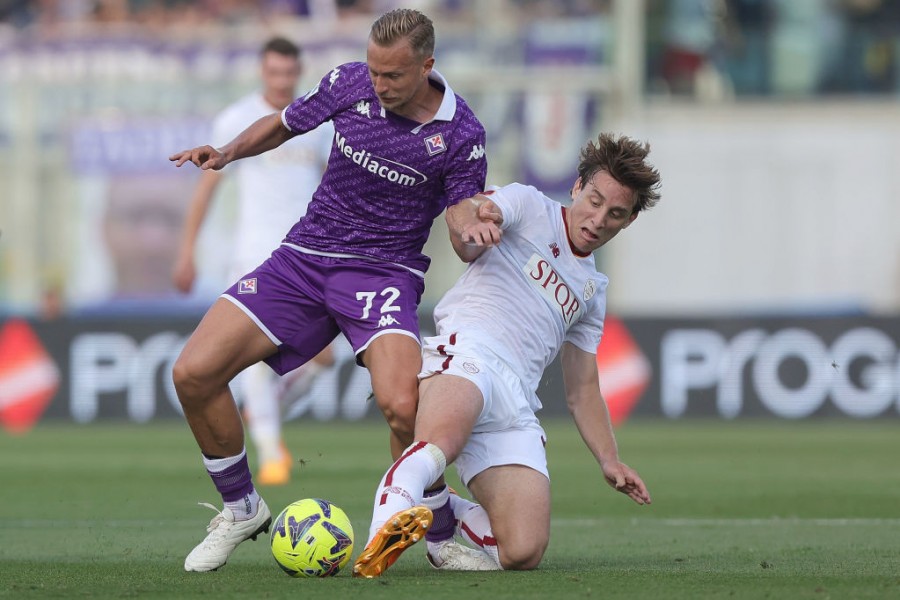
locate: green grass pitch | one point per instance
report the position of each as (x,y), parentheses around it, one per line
(741,510)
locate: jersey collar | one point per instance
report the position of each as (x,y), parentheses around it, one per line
(447,109)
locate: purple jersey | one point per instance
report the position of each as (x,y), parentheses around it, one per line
(388,177)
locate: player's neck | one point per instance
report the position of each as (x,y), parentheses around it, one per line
(422,107)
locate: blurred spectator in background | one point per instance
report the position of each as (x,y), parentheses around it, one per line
(17,13)
(865,57)
(690,31)
(749,26)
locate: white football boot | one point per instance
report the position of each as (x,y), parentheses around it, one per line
(453,556)
(224,536)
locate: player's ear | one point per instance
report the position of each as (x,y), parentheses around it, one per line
(634,215)
(576,187)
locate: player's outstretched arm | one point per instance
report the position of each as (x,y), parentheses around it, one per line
(474,226)
(591,416)
(264,134)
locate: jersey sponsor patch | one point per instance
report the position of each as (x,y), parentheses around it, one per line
(390,170)
(435,144)
(247,286)
(555,291)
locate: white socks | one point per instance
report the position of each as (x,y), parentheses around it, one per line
(404,484)
(474,525)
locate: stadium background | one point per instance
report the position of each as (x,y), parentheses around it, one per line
(765,284)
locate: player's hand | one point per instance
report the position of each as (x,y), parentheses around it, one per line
(205,157)
(184,274)
(488,212)
(484,234)
(624,479)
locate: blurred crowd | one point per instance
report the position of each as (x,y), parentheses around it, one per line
(774,47)
(49,14)
(700,48)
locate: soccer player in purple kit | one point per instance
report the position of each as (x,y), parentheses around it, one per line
(405,148)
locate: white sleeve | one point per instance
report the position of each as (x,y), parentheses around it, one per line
(515,201)
(586,333)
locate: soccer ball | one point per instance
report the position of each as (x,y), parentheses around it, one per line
(312,538)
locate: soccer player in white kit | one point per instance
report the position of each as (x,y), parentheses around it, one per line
(274,190)
(520,302)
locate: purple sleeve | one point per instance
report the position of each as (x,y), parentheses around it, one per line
(469,173)
(327,98)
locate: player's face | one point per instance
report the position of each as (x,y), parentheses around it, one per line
(601,208)
(279,74)
(398,74)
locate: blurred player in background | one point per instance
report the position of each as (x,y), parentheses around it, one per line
(405,148)
(520,302)
(273,191)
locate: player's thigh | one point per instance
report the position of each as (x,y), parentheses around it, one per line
(513,495)
(224,343)
(449,407)
(284,295)
(394,361)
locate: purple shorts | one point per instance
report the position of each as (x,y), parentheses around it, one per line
(302,301)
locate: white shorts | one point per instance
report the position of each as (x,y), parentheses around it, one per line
(507,431)
(497,448)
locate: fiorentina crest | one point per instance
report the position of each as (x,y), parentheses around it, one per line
(435,144)
(247,286)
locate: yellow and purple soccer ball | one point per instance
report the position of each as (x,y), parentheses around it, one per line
(312,538)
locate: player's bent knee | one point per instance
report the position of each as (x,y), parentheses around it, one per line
(400,414)
(403,427)
(189,384)
(522,556)
(520,561)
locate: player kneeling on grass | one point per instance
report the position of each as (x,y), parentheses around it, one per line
(517,305)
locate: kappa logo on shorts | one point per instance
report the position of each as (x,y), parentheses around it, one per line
(247,286)
(470,368)
(386,320)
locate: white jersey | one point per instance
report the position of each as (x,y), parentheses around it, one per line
(531,292)
(273,188)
